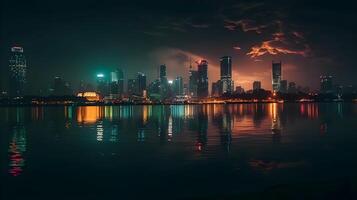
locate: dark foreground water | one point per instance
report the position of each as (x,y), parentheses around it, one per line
(243,151)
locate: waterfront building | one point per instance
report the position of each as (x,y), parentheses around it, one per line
(18,72)
(276,76)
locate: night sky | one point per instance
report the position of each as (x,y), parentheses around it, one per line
(77,39)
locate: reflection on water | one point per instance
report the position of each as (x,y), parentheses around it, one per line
(202,127)
(17,145)
(17,148)
(186,150)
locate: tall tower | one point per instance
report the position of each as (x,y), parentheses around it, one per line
(226,75)
(163,82)
(202,84)
(18,70)
(102,86)
(141,82)
(276,76)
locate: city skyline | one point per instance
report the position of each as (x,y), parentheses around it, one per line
(112,84)
(252,33)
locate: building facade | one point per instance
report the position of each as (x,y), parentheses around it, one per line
(326,84)
(226,83)
(202,83)
(18,72)
(257,85)
(276,76)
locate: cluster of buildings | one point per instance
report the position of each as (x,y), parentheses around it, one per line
(115,87)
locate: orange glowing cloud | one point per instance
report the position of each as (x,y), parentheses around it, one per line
(281,44)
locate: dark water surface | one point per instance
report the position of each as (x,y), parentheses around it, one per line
(179,152)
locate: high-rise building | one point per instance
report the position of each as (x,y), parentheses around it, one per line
(141,83)
(239,90)
(154,87)
(326,85)
(257,85)
(120,75)
(178,86)
(132,85)
(163,72)
(163,81)
(18,71)
(60,87)
(113,84)
(202,84)
(102,85)
(193,81)
(283,86)
(216,87)
(276,76)
(227,84)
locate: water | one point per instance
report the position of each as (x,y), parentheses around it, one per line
(179,152)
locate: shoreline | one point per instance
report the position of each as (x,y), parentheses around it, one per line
(167,104)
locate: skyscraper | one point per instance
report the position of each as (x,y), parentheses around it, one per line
(326,85)
(257,85)
(193,81)
(163,72)
(18,70)
(116,84)
(202,84)
(120,75)
(215,91)
(102,86)
(226,83)
(141,83)
(178,86)
(163,81)
(132,85)
(276,76)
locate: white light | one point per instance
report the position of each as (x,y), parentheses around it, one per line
(170,81)
(100,75)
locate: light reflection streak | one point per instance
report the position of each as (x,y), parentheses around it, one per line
(17,148)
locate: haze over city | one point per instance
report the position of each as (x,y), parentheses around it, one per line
(77,40)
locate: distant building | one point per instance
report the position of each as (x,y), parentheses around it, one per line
(178,86)
(193,82)
(276,76)
(115,87)
(202,83)
(18,72)
(283,86)
(141,83)
(163,81)
(226,82)
(132,85)
(257,85)
(185,89)
(60,87)
(215,90)
(326,85)
(239,90)
(292,88)
(102,85)
(154,87)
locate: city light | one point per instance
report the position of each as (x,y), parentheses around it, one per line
(100,75)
